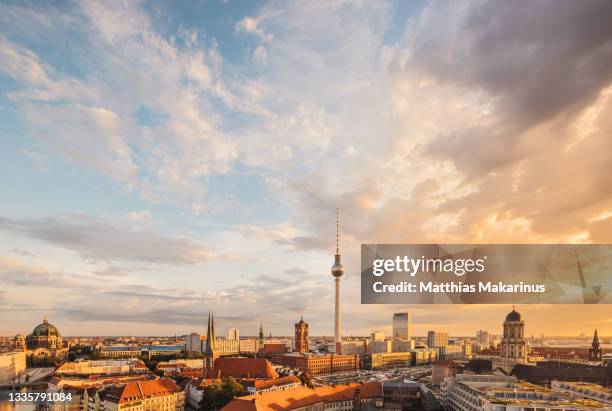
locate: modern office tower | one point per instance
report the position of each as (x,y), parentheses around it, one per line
(337,271)
(301,336)
(402,326)
(233,334)
(483,337)
(193,343)
(436,339)
(513,346)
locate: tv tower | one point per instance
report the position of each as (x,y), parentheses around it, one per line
(337,271)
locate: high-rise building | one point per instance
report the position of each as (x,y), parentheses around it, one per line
(193,343)
(436,339)
(402,326)
(233,334)
(337,271)
(301,336)
(513,346)
(595,352)
(483,337)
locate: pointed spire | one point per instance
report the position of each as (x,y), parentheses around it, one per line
(210,334)
(595,337)
(338,231)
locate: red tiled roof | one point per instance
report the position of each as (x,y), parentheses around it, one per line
(136,390)
(263,384)
(242,368)
(301,397)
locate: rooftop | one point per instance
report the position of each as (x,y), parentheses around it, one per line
(301,397)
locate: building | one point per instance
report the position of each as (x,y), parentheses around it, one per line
(328,398)
(437,339)
(254,386)
(402,326)
(210,352)
(421,356)
(120,351)
(233,334)
(352,347)
(160,394)
(242,367)
(377,336)
(193,342)
(249,345)
(161,350)
(595,352)
(583,390)
(12,367)
(450,352)
(301,336)
(44,345)
(337,271)
(319,364)
(513,346)
(102,367)
(504,393)
(271,349)
(547,371)
(444,369)
(408,395)
(402,345)
(378,361)
(483,338)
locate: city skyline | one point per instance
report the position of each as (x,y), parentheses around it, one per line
(159,161)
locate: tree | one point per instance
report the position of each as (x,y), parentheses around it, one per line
(216,396)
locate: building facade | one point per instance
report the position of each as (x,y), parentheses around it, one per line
(12,367)
(504,393)
(402,326)
(323,364)
(513,345)
(437,339)
(301,336)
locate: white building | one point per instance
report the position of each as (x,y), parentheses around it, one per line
(233,334)
(583,390)
(504,393)
(12,367)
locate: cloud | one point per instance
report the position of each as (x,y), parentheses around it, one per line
(142,215)
(13,271)
(250,25)
(98,239)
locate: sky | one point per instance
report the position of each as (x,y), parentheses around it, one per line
(160,160)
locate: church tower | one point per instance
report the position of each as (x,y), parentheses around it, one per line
(301,336)
(513,346)
(210,352)
(595,352)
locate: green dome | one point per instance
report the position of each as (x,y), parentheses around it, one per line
(45,329)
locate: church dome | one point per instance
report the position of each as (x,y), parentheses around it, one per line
(513,316)
(19,337)
(45,329)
